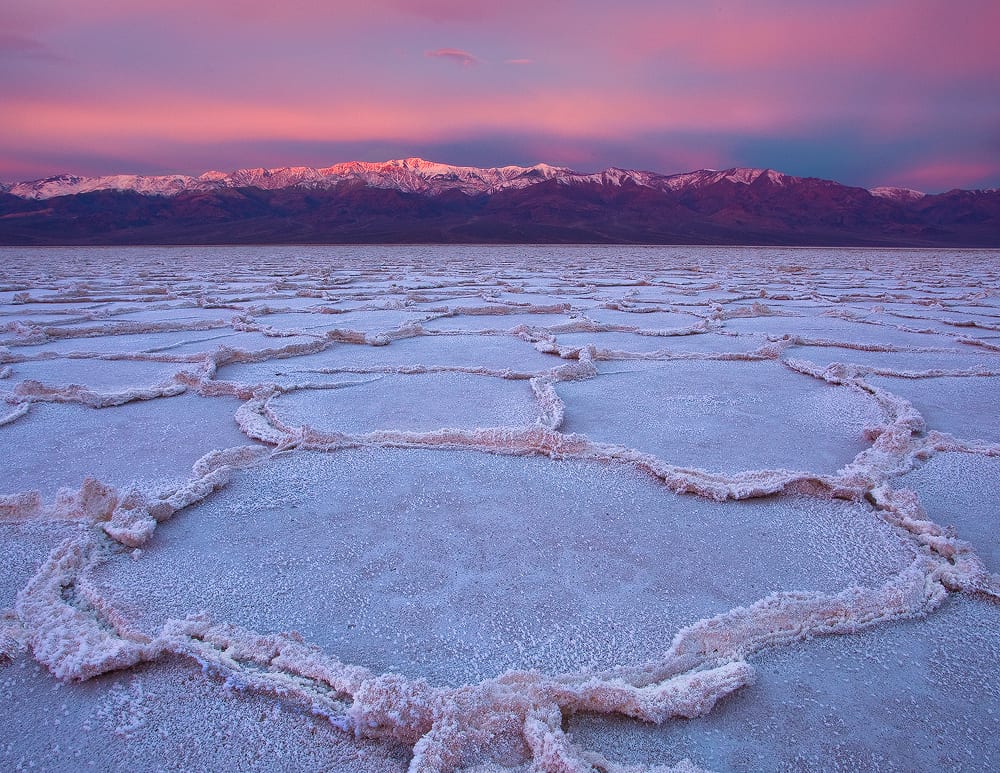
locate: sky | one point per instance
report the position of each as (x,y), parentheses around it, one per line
(865,92)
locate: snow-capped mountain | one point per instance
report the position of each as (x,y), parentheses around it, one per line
(416,201)
(896,194)
(411,175)
(67,184)
(415,175)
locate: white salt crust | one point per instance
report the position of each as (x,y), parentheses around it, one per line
(755,309)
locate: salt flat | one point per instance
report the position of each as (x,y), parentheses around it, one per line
(526,508)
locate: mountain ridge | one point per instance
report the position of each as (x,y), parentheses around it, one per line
(416,201)
(411,174)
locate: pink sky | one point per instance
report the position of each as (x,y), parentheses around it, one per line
(867,92)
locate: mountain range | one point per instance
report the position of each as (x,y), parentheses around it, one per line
(416,201)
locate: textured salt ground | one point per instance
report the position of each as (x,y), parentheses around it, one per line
(93,331)
(917,695)
(367,321)
(458,566)
(96,374)
(949,311)
(712,343)
(721,416)
(275,301)
(700,297)
(420,402)
(37,306)
(168,716)
(496,353)
(956,358)
(652,320)
(46,316)
(964,407)
(180,313)
(962,491)
(182,342)
(987,309)
(496,322)
(269,277)
(24,545)
(835,329)
(700,344)
(152,442)
(785,301)
(944,324)
(537,298)
(434,302)
(116,316)
(640,295)
(621,342)
(203,340)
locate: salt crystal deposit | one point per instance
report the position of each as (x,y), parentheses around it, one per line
(526,508)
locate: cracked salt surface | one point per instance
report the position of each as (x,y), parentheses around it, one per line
(968,359)
(964,407)
(98,375)
(714,414)
(189,344)
(832,329)
(915,696)
(961,491)
(618,342)
(643,319)
(169,717)
(496,322)
(60,445)
(458,566)
(449,500)
(419,402)
(373,321)
(491,354)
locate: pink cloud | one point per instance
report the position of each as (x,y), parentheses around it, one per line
(890,80)
(463,58)
(140,124)
(291,13)
(928,36)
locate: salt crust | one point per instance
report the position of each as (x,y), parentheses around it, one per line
(72,630)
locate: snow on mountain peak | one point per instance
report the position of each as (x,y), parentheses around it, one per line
(64,185)
(896,194)
(412,175)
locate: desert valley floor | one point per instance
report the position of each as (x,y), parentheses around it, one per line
(484,508)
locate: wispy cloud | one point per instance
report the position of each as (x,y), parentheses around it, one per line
(519,61)
(456,55)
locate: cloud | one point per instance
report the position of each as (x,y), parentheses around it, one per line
(930,37)
(870,92)
(463,58)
